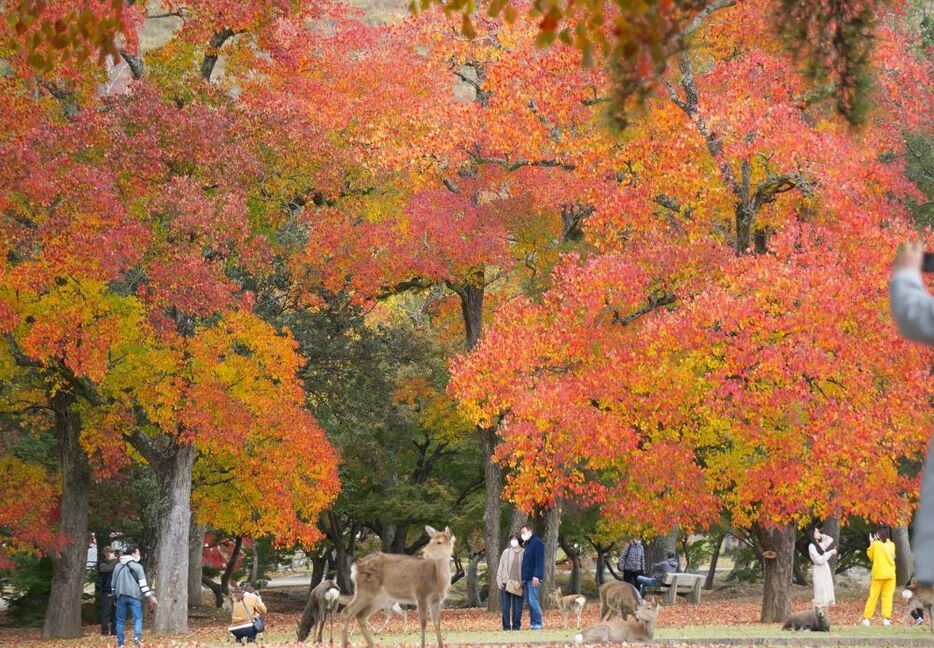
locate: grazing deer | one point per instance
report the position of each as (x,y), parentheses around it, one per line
(815,620)
(380,578)
(566,604)
(322,605)
(618,597)
(639,628)
(919,597)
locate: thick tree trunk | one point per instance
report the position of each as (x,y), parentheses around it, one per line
(776,595)
(659,547)
(63,614)
(831,527)
(195,563)
(904,561)
(473,588)
(492,511)
(173,476)
(714,559)
(552,530)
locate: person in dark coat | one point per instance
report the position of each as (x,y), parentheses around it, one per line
(533,573)
(632,562)
(105,570)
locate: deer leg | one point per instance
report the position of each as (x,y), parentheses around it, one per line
(436,618)
(319,622)
(423,617)
(405,620)
(362,618)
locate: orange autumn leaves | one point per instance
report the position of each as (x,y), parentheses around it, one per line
(670,379)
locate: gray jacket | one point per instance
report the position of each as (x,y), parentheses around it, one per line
(130,579)
(912,306)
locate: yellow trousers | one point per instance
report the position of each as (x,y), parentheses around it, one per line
(887,589)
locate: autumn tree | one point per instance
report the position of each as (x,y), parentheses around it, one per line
(731,347)
(119,303)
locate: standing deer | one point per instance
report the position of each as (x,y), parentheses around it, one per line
(380,578)
(639,628)
(566,604)
(618,597)
(322,605)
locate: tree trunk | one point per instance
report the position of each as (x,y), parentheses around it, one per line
(659,547)
(904,563)
(831,527)
(712,571)
(195,563)
(473,589)
(254,564)
(600,568)
(342,568)
(471,294)
(518,520)
(319,564)
(63,614)
(797,571)
(552,529)
(173,475)
(574,554)
(492,511)
(776,595)
(231,566)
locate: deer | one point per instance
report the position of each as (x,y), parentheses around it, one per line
(322,605)
(380,578)
(639,628)
(568,603)
(618,597)
(815,620)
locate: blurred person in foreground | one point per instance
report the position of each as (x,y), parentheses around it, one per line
(913,311)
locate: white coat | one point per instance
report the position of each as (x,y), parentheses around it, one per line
(823,579)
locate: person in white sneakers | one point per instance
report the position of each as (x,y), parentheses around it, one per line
(881,552)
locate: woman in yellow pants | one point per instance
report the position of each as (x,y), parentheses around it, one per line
(881,552)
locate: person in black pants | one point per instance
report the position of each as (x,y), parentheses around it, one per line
(105,570)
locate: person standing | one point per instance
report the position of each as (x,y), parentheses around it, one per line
(533,573)
(632,562)
(245,606)
(820,553)
(659,571)
(130,587)
(105,570)
(881,552)
(509,580)
(913,311)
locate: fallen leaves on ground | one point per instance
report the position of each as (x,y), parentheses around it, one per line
(280,627)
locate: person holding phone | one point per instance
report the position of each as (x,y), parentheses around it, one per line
(881,553)
(913,310)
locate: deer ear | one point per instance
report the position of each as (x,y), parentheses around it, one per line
(431,531)
(447,530)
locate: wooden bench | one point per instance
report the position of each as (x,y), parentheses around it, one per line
(688,585)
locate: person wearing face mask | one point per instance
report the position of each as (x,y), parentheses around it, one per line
(533,572)
(509,579)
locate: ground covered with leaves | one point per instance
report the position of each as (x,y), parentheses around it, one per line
(730,620)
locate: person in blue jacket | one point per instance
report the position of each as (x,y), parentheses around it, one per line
(533,572)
